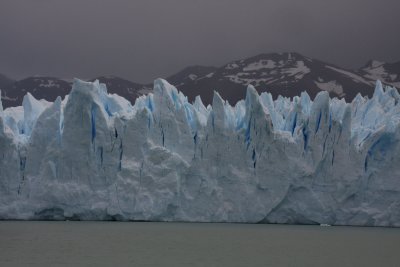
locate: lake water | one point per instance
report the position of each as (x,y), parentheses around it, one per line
(193,244)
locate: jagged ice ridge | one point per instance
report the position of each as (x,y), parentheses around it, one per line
(94,156)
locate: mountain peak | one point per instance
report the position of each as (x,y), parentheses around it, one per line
(286,73)
(190,73)
(285,56)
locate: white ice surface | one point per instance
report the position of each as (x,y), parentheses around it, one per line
(95,156)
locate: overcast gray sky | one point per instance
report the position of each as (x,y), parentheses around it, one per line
(144,39)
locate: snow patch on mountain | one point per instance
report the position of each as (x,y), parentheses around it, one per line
(192,77)
(355,77)
(376,70)
(261,64)
(231,66)
(239,79)
(298,71)
(332,87)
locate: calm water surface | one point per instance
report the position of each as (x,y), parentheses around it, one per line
(184,244)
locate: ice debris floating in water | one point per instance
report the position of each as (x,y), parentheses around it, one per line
(95,156)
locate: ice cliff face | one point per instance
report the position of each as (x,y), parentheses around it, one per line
(95,156)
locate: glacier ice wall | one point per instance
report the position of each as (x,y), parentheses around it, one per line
(95,156)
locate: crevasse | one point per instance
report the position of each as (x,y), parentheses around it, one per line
(95,156)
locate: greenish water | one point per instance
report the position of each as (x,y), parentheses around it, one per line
(192,244)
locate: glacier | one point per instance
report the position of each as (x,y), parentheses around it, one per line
(94,156)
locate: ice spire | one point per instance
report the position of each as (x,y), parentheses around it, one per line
(378,93)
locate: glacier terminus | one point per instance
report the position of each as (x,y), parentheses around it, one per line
(94,156)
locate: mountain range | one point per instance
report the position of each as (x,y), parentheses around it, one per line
(286,74)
